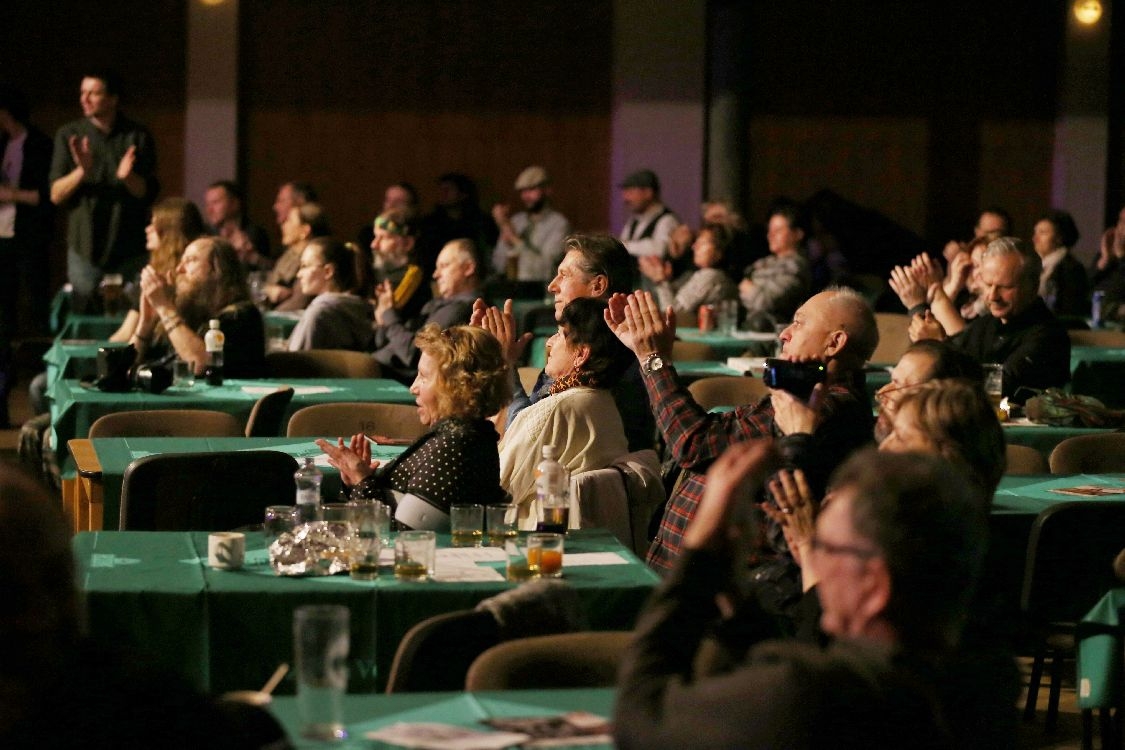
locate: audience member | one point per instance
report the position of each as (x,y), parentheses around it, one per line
(595,265)
(305,222)
(59,688)
(1019,331)
(224,203)
(289,195)
(25,229)
(456,215)
(103,173)
(579,418)
(531,241)
(923,361)
(457,278)
(776,285)
(337,317)
(461,381)
(174,225)
(209,283)
(992,224)
(399,196)
(898,550)
(400,283)
(651,222)
(836,327)
(1062,283)
(708,284)
(1108,271)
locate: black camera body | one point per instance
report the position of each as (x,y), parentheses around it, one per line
(798,378)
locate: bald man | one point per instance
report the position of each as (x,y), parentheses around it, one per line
(836,327)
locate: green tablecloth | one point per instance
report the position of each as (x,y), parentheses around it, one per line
(1100,653)
(1030,495)
(74,358)
(365,713)
(115,455)
(1043,438)
(90,326)
(228,630)
(726,345)
(74,407)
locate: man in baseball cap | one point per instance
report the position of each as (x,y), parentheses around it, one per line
(531,241)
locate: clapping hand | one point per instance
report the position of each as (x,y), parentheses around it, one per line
(128,161)
(502,325)
(637,321)
(906,285)
(353,460)
(731,482)
(81,153)
(794,510)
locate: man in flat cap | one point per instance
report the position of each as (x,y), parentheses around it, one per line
(651,223)
(531,242)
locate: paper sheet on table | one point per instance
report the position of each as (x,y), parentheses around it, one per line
(1089,490)
(469,556)
(746,364)
(574,559)
(301,390)
(754,335)
(434,736)
(459,573)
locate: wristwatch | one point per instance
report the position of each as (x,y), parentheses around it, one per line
(653,362)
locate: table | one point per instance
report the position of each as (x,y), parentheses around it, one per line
(1100,653)
(90,326)
(75,407)
(365,713)
(228,630)
(94,493)
(1041,437)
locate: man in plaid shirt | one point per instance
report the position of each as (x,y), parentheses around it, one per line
(836,326)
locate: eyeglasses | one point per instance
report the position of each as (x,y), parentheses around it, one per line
(830,548)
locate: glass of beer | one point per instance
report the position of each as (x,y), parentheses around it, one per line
(519,568)
(994,386)
(466,525)
(414,555)
(545,553)
(500,524)
(364,541)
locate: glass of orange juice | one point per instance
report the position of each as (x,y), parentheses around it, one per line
(545,553)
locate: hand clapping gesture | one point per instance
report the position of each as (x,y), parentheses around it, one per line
(353,460)
(502,325)
(637,321)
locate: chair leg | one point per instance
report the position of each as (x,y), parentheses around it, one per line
(1105,728)
(1088,730)
(1053,695)
(1033,685)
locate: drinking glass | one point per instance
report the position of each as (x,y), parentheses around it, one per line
(279,519)
(518,568)
(183,373)
(414,555)
(545,554)
(364,541)
(466,523)
(994,384)
(500,524)
(320,646)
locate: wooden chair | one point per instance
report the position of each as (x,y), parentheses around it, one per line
(1089,454)
(1069,567)
(727,390)
(436,653)
(204,491)
(1023,460)
(1097,338)
(565,660)
(528,376)
(166,423)
(692,351)
(322,363)
(398,421)
(268,414)
(894,337)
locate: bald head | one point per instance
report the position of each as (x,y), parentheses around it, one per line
(836,326)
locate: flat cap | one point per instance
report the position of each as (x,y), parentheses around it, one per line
(532,177)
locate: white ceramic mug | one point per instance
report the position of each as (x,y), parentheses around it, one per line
(226,550)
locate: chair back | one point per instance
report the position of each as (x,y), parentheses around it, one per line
(321,363)
(565,660)
(268,414)
(166,423)
(528,376)
(398,421)
(1089,454)
(1070,554)
(692,351)
(727,390)
(204,491)
(435,654)
(621,498)
(894,337)
(1025,460)
(1097,338)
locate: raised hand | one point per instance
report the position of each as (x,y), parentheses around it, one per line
(927,270)
(925,327)
(655,268)
(353,460)
(726,502)
(794,509)
(905,284)
(81,153)
(128,161)
(959,269)
(502,325)
(794,416)
(640,325)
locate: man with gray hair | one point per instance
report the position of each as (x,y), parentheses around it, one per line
(531,241)
(1019,332)
(835,327)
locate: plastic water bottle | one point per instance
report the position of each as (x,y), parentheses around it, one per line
(213,341)
(552,488)
(308,479)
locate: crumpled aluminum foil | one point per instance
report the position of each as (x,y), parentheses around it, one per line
(313,549)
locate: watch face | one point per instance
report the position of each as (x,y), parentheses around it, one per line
(654,363)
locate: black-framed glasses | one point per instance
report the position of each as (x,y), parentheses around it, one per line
(830,548)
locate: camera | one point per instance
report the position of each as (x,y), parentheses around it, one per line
(798,378)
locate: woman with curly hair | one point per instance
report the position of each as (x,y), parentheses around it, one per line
(462,380)
(579,418)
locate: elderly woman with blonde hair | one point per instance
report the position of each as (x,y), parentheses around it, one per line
(462,380)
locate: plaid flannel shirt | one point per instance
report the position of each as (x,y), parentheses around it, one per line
(696,438)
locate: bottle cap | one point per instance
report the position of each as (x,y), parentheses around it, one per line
(213,323)
(549,452)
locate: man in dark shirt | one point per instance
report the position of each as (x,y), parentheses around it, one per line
(223,204)
(898,548)
(1019,331)
(103,171)
(836,327)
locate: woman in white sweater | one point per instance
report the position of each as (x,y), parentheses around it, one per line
(579,418)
